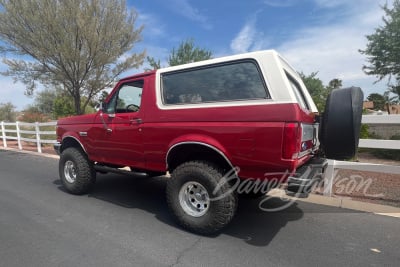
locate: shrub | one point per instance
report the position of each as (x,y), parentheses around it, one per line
(364,134)
(34,117)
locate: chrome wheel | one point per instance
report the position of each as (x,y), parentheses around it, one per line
(194,199)
(70,171)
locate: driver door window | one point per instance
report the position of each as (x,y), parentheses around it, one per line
(127,99)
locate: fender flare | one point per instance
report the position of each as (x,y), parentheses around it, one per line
(76,139)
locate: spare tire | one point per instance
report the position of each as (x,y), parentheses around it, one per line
(341,123)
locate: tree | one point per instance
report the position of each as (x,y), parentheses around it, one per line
(389,100)
(103,96)
(44,101)
(378,100)
(32,115)
(7,112)
(80,46)
(187,52)
(383,49)
(395,89)
(154,64)
(316,89)
(63,106)
(55,103)
(334,84)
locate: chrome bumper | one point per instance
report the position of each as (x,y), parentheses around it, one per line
(301,184)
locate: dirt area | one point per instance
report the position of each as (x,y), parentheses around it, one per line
(373,187)
(29,146)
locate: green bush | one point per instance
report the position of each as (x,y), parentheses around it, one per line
(364,131)
(395,137)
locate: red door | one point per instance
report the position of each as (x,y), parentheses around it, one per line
(117,135)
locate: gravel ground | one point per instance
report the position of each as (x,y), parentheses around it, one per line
(373,187)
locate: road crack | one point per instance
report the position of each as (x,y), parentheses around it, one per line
(186,250)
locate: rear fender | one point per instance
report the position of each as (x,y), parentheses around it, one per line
(199,140)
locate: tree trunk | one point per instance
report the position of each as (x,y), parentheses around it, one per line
(388,108)
(77,103)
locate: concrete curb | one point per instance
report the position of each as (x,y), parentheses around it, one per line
(342,202)
(339,202)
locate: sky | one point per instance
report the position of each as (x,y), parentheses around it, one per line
(321,36)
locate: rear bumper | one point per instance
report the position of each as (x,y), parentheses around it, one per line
(301,183)
(57,148)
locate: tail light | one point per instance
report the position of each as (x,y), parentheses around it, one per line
(291,140)
(299,140)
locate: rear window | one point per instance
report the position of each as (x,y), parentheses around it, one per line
(228,82)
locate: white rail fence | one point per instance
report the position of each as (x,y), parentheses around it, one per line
(334,165)
(18,131)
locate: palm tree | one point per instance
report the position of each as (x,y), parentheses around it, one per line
(335,84)
(390,100)
(395,90)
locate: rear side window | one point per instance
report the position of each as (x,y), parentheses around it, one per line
(228,82)
(298,92)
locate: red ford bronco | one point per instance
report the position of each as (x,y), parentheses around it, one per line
(243,116)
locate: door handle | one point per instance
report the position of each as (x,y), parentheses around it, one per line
(138,121)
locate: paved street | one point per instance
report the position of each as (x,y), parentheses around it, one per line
(125,222)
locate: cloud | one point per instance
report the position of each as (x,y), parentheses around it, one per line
(245,38)
(280,3)
(154,28)
(319,3)
(332,4)
(331,49)
(14,93)
(249,38)
(185,9)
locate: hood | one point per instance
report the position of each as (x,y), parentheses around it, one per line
(80,119)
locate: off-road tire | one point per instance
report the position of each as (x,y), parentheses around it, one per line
(341,123)
(85,175)
(220,211)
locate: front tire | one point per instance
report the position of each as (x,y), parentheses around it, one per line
(192,202)
(76,172)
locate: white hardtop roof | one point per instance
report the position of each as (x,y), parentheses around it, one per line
(272,65)
(250,55)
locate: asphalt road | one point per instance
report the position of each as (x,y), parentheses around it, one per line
(125,222)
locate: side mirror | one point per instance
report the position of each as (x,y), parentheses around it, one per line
(103,106)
